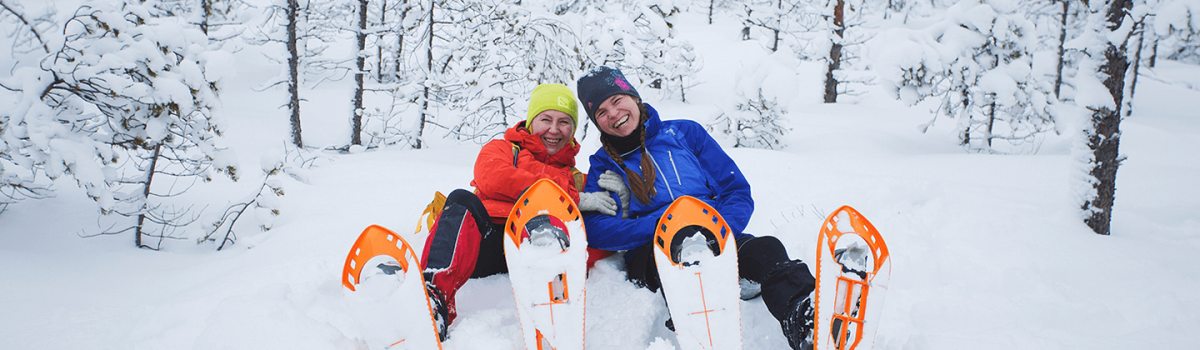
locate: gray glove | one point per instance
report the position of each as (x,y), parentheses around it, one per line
(599,201)
(609,180)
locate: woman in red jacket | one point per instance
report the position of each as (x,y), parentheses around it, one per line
(466,242)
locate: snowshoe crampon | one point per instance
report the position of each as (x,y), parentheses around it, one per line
(853,267)
(386,295)
(546,251)
(697,263)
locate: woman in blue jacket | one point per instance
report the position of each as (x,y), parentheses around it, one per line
(647,163)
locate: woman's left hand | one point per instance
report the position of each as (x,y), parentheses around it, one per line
(609,180)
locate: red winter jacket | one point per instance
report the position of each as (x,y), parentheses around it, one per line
(499,183)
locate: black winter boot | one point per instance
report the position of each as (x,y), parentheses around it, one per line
(798,325)
(441,310)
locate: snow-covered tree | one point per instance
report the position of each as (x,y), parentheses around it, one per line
(27,26)
(20,175)
(1057,21)
(1178,24)
(1104,89)
(843,20)
(124,102)
(779,19)
(510,49)
(715,6)
(757,117)
(978,63)
(223,19)
(306,28)
(1067,23)
(392,35)
(360,73)
(263,205)
(637,39)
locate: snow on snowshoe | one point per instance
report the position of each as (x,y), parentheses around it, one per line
(853,267)
(546,251)
(386,294)
(697,262)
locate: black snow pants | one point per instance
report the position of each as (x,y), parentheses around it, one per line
(763,260)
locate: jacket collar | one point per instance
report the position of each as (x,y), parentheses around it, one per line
(521,136)
(652,125)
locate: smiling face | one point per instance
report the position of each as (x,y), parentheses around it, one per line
(618,115)
(554,127)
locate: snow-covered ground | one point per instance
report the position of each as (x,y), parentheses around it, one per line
(989,250)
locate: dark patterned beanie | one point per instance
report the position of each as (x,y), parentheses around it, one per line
(600,84)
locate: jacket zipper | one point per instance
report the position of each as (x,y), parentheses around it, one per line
(671,157)
(664,177)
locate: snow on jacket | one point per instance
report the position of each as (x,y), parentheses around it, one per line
(687,162)
(498,183)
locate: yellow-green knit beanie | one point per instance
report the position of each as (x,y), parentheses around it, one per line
(552,96)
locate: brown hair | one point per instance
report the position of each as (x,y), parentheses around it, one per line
(641,186)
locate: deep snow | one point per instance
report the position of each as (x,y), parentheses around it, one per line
(989,251)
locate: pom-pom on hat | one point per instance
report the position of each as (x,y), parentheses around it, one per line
(552,96)
(600,84)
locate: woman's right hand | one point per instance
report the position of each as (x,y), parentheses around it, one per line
(610,181)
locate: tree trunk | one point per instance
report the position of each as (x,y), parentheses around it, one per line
(775,44)
(137,240)
(1153,52)
(1137,63)
(293,13)
(379,44)
(711,3)
(991,123)
(1062,40)
(428,71)
(1106,123)
(360,62)
(966,105)
(835,52)
(400,37)
(503,112)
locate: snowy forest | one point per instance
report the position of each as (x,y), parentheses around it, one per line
(191,173)
(124,97)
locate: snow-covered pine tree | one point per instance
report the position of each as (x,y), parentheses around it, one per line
(219,19)
(123,106)
(21,174)
(843,20)
(636,39)
(263,205)
(893,6)
(1007,101)
(716,6)
(756,119)
(778,19)
(1067,20)
(306,28)
(393,28)
(1178,24)
(1103,85)
(433,91)
(837,26)
(986,81)
(223,19)
(502,51)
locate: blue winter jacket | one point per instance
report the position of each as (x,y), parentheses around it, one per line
(687,162)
